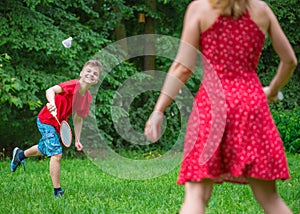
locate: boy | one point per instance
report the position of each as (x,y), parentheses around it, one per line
(64,99)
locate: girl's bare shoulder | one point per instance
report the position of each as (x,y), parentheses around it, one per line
(259,8)
(200,6)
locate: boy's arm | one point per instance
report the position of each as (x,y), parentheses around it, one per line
(77,121)
(50,95)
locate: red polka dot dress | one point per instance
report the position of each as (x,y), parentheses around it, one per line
(231,134)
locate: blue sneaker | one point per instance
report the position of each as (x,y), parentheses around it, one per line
(59,193)
(16,162)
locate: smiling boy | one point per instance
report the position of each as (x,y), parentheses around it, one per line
(64,99)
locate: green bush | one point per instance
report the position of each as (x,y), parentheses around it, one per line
(33,59)
(288,125)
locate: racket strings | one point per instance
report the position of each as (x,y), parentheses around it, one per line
(66,134)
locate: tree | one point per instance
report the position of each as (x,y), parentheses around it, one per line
(32,57)
(31,37)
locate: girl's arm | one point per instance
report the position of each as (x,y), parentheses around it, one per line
(283,48)
(182,67)
(179,72)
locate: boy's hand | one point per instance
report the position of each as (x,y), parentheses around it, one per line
(52,108)
(78,146)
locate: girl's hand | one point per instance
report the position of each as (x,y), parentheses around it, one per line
(270,96)
(78,146)
(153,126)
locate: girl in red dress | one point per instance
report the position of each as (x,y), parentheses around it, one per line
(231,135)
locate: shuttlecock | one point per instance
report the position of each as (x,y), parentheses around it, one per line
(67,42)
(280,95)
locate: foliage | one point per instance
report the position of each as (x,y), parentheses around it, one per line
(288,17)
(32,59)
(89,190)
(286,112)
(288,124)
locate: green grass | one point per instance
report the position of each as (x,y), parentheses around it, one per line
(89,190)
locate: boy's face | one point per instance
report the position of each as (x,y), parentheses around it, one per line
(90,74)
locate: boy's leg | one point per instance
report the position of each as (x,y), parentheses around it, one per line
(266,194)
(55,170)
(196,197)
(50,146)
(19,156)
(17,159)
(32,151)
(55,174)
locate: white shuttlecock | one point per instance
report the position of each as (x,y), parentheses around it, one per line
(67,42)
(280,95)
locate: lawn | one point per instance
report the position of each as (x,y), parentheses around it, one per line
(89,190)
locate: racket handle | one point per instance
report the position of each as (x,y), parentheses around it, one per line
(57,120)
(54,115)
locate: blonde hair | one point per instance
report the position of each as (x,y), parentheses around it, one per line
(94,63)
(233,8)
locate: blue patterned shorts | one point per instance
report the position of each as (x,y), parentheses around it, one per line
(49,144)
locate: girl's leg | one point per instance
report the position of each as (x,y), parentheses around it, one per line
(266,194)
(196,197)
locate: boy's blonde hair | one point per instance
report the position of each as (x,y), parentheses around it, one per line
(233,8)
(94,63)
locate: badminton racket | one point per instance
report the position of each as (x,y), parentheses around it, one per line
(64,131)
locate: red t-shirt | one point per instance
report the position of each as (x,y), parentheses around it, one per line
(67,102)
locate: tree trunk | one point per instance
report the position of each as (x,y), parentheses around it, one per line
(120,32)
(149,45)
